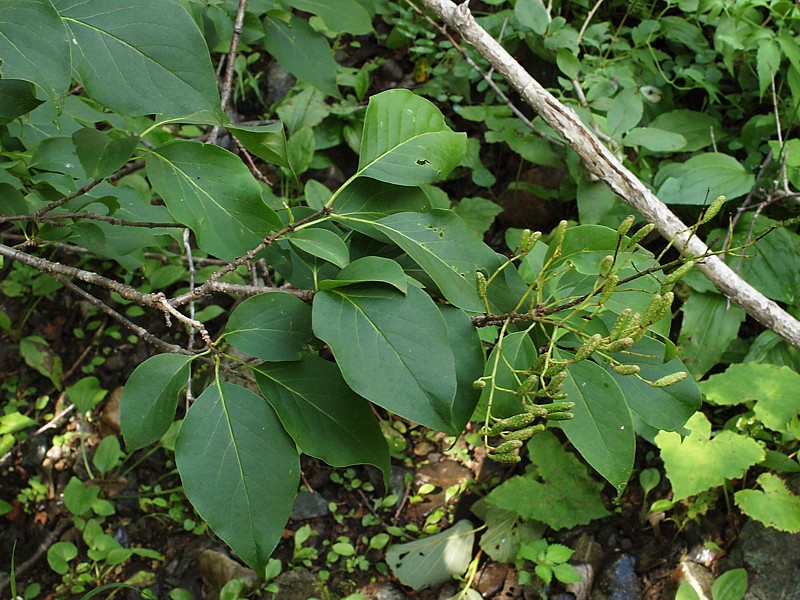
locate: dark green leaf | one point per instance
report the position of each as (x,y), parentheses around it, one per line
(16,98)
(478,213)
(392,349)
(706,176)
(239,469)
(325,418)
(148,402)
(514,351)
(369,269)
(273,326)
(469,355)
(100,154)
(265,141)
(211,191)
(696,127)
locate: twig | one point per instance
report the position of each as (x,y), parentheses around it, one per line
(187,245)
(48,541)
(587,21)
(54,218)
(599,160)
(227,82)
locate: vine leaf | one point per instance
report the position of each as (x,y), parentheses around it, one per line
(776,506)
(446,249)
(602,430)
(325,418)
(239,469)
(392,349)
(273,326)
(697,462)
(406,140)
(35,47)
(142,57)
(148,402)
(211,191)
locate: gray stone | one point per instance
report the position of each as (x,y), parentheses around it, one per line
(389,591)
(296,585)
(217,569)
(698,577)
(772,560)
(309,505)
(618,581)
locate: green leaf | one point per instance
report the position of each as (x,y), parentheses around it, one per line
(13,422)
(17,98)
(321,243)
(775,507)
(433,560)
(38,355)
(232,443)
(514,351)
(478,213)
(533,15)
(406,140)
(302,51)
(35,46)
(505,530)
(657,140)
(731,585)
(369,269)
(325,418)
(392,349)
(86,393)
(148,402)
(100,154)
(602,430)
(274,326)
(212,192)
(694,126)
(342,16)
(706,176)
(566,496)
(267,142)
(774,389)
(300,151)
(666,408)
(469,355)
(143,57)
(59,555)
(446,249)
(625,112)
(79,498)
(768,64)
(698,462)
(709,326)
(108,454)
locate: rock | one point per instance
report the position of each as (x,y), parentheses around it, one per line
(618,581)
(581,589)
(697,576)
(772,560)
(389,591)
(217,569)
(109,418)
(296,585)
(491,578)
(309,505)
(279,82)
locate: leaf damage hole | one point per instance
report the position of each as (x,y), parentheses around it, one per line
(421,162)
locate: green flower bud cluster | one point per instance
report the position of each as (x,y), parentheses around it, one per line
(528,240)
(677,275)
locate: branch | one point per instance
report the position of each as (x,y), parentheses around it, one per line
(600,161)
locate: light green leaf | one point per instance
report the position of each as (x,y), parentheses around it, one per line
(532,14)
(325,418)
(706,176)
(273,326)
(267,142)
(657,140)
(302,51)
(14,421)
(406,140)
(478,213)
(17,98)
(602,430)
(108,454)
(59,555)
(369,269)
(505,530)
(86,393)
(344,15)
(433,560)
(446,249)
(211,191)
(322,243)
(731,585)
(625,112)
(148,402)
(696,127)
(143,57)
(392,349)
(698,462)
(38,355)
(35,46)
(768,64)
(709,325)
(300,151)
(774,388)
(100,154)
(775,507)
(79,498)
(566,496)
(232,442)
(666,408)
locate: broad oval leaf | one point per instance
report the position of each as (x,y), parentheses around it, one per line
(392,349)
(239,469)
(35,46)
(369,269)
(321,243)
(148,402)
(325,418)
(210,190)
(602,430)
(349,16)
(706,176)
(100,154)
(447,250)
(274,326)
(142,57)
(17,97)
(265,141)
(657,140)
(406,141)
(625,112)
